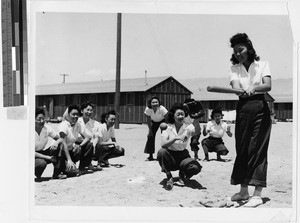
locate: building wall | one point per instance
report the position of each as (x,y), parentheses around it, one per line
(283,111)
(132,104)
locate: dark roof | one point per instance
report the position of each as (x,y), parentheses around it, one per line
(107,86)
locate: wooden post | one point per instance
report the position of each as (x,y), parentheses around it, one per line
(118,71)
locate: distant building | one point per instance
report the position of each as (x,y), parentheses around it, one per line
(283,108)
(134,96)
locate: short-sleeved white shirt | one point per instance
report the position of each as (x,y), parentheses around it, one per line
(72,132)
(41,139)
(91,127)
(105,134)
(254,76)
(158,115)
(171,132)
(216,130)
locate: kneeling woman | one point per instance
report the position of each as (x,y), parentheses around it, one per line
(174,154)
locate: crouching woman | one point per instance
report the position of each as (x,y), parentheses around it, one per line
(174,154)
(69,131)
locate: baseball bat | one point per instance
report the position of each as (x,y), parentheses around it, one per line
(223,90)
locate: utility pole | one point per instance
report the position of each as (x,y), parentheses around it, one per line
(118,71)
(64,77)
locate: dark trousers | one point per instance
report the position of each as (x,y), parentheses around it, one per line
(150,144)
(85,157)
(41,164)
(215,145)
(194,143)
(252,135)
(178,160)
(107,152)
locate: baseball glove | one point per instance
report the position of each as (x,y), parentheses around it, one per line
(195,108)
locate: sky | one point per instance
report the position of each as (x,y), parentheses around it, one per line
(83,45)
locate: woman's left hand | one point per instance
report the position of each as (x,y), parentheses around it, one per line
(250,91)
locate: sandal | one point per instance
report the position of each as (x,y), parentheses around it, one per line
(239,197)
(253,202)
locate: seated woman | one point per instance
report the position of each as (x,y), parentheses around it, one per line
(44,154)
(216,129)
(107,146)
(91,125)
(69,131)
(174,154)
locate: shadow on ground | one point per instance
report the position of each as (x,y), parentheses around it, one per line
(194,184)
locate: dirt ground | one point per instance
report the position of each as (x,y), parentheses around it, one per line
(140,183)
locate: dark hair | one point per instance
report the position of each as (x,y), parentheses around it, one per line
(242,38)
(39,111)
(172,111)
(149,102)
(104,116)
(72,107)
(86,104)
(215,111)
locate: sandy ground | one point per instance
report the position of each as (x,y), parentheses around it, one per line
(140,183)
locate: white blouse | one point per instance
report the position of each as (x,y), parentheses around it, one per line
(252,77)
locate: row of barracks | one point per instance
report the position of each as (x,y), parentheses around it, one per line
(134,96)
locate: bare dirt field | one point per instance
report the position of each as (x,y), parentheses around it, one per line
(140,183)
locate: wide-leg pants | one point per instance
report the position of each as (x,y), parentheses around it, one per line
(41,164)
(85,157)
(178,160)
(252,135)
(150,144)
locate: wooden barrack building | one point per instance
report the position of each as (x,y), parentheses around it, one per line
(133,98)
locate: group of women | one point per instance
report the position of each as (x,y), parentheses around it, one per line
(252,132)
(78,139)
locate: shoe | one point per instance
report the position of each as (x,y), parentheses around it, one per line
(253,202)
(219,158)
(150,159)
(104,163)
(98,167)
(180,182)
(206,159)
(85,171)
(239,197)
(92,168)
(170,184)
(38,179)
(59,177)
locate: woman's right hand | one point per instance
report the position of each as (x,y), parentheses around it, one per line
(70,166)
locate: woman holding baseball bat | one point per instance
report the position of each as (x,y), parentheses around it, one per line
(253,122)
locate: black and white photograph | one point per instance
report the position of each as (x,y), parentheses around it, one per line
(150,111)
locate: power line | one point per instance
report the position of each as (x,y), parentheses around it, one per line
(156,42)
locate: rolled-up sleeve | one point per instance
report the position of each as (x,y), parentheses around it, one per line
(266,70)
